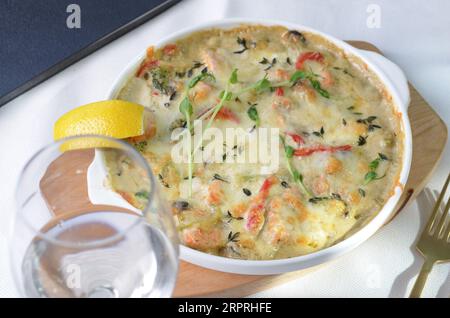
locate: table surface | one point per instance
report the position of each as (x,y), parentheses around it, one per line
(412,33)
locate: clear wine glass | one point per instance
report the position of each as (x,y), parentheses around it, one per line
(73,236)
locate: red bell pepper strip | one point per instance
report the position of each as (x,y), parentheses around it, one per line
(268,183)
(145,66)
(279,91)
(297,138)
(169,49)
(308,56)
(302,152)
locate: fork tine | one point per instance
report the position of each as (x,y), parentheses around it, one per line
(440,228)
(447,233)
(437,205)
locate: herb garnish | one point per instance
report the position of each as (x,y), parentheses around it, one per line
(225,95)
(345,71)
(284,184)
(242,42)
(333,196)
(362,192)
(196,65)
(367,120)
(319,133)
(142,194)
(362,140)
(231,217)
(187,110)
(233,237)
(311,77)
(297,35)
(351,108)
(369,123)
(316,85)
(140,146)
(247,192)
(297,176)
(160,80)
(181,205)
(252,113)
(265,61)
(164,183)
(372,175)
(218,177)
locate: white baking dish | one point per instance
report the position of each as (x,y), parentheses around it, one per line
(396,84)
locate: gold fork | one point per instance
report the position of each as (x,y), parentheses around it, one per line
(434,242)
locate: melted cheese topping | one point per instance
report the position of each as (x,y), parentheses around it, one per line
(341,124)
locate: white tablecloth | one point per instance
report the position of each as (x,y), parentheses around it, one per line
(413,33)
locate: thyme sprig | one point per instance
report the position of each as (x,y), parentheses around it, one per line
(242,42)
(230,217)
(233,237)
(266,61)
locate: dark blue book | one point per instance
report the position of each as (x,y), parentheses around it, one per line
(40,38)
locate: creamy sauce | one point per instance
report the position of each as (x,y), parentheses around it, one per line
(338,119)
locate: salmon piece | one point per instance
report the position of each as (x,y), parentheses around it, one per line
(282,75)
(276,231)
(215,63)
(354,197)
(320,185)
(333,165)
(293,198)
(150,52)
(307,91)
(149,128)
(281,102)
(255,215)
(215,193)
(202,91)
(255,219)
(358,101)
(336,206)
(357,129)
(227,114)
(281,121)
(127,197)
(246,243)
(327,80)
(239,209)
(203,239)
(302,240)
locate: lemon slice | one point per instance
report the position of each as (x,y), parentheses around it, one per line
(113,118)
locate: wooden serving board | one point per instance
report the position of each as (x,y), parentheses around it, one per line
(429,139)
